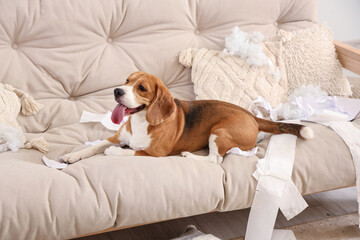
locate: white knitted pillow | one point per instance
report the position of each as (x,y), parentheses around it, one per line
(229,78)
(310,58)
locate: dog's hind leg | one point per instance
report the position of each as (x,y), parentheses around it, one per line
(222,138)
(213,157)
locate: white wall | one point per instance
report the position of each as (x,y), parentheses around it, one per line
(342,16)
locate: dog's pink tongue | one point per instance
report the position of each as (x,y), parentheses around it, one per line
(118,114)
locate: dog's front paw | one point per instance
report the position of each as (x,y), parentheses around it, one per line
(70,157)
(114,151)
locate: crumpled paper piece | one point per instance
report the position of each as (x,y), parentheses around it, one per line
(307,101)
(238,151)
(326,107)
(53,164)
(262,109)
(308,107)
(104,119)
(93,143)
(274,190)
(59,165)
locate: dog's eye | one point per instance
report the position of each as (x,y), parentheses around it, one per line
(141,88)
(127,81)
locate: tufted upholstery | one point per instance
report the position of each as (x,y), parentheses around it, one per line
(70,54)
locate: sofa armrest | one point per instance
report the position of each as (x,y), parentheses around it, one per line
(349,56)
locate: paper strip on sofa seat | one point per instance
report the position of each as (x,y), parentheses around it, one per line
(91,117)
(53,164)
(279,164)
(275,189)
(238,151)
(104,119)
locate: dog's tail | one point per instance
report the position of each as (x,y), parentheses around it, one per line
(280,127)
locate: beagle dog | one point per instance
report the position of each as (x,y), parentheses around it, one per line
(160,125)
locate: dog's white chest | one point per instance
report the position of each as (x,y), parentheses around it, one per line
(139,139)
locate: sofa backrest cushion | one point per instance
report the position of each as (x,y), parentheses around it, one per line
(71,54)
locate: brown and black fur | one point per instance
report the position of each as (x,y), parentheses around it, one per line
(176,126)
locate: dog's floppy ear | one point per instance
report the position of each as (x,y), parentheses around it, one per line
(162,107)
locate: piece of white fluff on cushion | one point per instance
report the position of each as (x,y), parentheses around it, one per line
(11,138)
(293,108)
(237,43)
(256,56)
(247,46)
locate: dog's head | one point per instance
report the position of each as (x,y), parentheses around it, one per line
(143,92)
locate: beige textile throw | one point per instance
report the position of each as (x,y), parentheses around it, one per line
(11,135)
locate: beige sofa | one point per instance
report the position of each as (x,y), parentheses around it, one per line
(71,54)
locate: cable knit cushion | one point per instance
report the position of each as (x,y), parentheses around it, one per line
(310,58)
(229,78)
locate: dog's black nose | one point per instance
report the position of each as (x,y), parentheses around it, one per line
(118,92)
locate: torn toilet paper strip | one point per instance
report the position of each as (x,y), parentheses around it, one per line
(292,202)
(306,108)
(58,165)
(238,151)
(274,175)
(351,136)
(53,164)
(328,115)
(93,143)
(279,234)
(275,189)
(91,117)
(104,119)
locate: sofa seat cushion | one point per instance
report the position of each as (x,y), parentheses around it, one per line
(99,192)
(102,191)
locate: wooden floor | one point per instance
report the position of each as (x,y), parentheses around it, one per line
(231,225)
